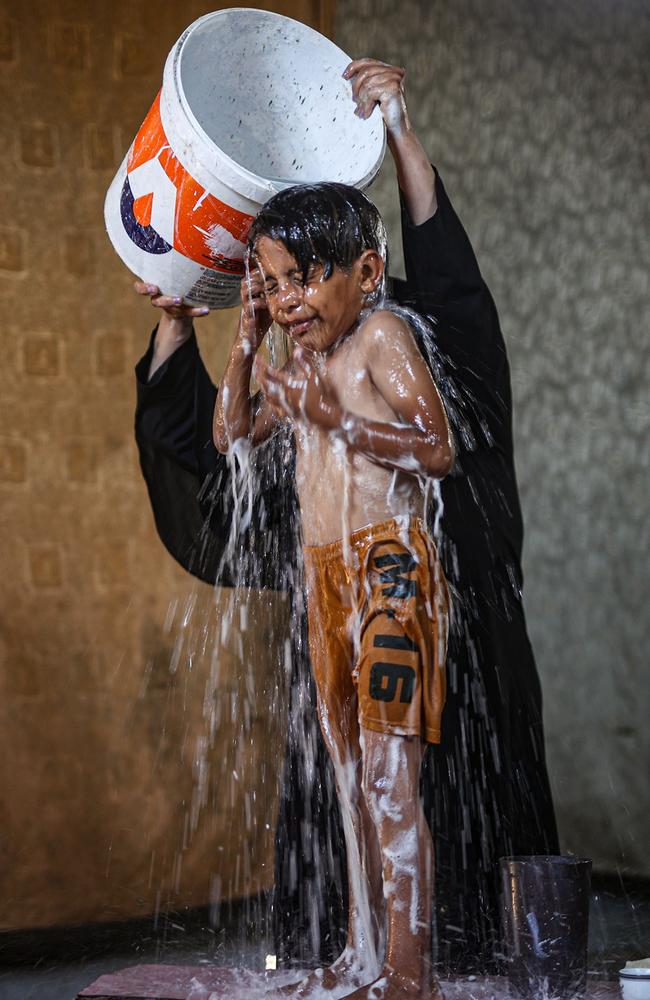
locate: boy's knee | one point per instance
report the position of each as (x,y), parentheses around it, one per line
(379,785)
(390,775)
(373,779)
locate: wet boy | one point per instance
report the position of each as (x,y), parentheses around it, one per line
(370,429)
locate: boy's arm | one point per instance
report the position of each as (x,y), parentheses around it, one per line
(418,442)
(236,414)
(421,443)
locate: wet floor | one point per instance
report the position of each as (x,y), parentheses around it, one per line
(619,930)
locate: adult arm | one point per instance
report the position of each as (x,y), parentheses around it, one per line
(378,84)
(444,283)
(175,326)
(173,422)
(442,274)
(189,482)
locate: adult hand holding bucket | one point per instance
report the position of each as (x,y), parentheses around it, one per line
(174,326)
(251,102)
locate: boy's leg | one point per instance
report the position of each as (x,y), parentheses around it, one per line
(391,769)
(364,866)
(361,959)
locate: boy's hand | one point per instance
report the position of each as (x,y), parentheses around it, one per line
(300,394)
(255,319)
(375,82)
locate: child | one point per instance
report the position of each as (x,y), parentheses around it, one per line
(370,429)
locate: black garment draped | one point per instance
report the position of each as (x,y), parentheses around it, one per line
(485,786)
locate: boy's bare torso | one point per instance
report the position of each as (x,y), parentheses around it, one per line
(341,490)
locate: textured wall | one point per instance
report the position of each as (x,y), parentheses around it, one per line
(537,116)
(98,737)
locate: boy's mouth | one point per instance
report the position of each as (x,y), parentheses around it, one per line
(300,327)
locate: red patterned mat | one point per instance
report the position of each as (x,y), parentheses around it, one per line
(201,982)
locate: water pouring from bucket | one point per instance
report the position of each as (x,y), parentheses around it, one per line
(251,102)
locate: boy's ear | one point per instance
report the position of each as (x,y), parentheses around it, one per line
(371,270)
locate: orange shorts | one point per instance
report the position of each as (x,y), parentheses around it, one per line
(378,613)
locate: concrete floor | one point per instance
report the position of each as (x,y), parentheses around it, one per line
(619,930)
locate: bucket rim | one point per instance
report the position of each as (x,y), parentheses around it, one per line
(548,860)
(260,188)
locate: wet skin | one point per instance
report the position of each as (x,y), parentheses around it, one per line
(366,413)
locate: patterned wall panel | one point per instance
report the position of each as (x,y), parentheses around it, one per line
(537,115)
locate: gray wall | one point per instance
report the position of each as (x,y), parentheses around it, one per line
(537,116)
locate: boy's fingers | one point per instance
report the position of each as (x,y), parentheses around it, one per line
(276,378)
(279,410)
(271,380)
(256,280)
(277,387)
(302,362)
(277,396)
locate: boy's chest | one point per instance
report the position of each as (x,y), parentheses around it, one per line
(347,374)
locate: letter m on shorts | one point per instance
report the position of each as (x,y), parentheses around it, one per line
(394,569)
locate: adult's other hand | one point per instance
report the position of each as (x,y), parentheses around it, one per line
(175,323)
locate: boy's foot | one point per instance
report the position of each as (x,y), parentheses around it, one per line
(339,979)
(391,986)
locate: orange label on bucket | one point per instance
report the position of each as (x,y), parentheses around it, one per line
(166,207)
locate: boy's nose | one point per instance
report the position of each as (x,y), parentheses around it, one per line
(289,296)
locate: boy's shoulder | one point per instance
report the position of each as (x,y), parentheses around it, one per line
(382,327)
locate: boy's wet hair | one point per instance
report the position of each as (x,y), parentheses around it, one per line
(329,224)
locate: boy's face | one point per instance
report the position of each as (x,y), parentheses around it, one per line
(318,312)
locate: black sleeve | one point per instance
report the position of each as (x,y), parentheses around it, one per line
(443,279)
(444,283)
(173,432)
(191,485)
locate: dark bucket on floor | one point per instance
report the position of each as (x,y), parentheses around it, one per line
(546,920)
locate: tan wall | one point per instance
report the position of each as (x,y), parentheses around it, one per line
(98,778)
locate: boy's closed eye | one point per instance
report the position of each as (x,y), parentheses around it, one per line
(297,278)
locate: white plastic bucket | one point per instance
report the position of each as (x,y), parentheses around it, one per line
(251,102)
(634,981)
